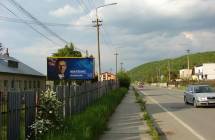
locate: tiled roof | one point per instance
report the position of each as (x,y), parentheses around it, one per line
(22,68)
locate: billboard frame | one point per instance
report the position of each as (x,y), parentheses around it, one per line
(66,57)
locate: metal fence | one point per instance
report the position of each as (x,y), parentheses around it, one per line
(18,109)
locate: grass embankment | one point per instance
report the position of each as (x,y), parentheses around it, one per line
(153,132)
(91,123)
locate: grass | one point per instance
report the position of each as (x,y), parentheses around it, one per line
(182,88)
(147,72)
(91,123)
(153,132)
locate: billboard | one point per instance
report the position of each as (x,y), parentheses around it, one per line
(69,68)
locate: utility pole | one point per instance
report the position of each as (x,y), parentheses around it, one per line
(87,54)
(121,66)
(188,60)
(188,64)
(116,60)
(169,70)
(98,24)
(157,74)
(1,48)
(110,70)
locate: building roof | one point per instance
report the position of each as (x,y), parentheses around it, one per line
(107,73)
(22,69)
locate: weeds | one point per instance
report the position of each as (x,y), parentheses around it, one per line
(91,123)
(153,132)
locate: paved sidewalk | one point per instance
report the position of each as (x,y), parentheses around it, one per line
(126,123)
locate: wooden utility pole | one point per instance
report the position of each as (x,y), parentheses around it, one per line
(98,42)
(169,70)
(116,60)
(98,24)
(121,66)
(188,59)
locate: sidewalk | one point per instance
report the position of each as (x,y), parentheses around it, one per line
(126,123)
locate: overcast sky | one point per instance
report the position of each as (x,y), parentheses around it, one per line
(140,30)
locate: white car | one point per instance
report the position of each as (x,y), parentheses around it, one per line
(199,95)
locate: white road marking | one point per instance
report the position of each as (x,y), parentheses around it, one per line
(177,119)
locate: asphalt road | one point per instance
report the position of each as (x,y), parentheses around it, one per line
(177,121)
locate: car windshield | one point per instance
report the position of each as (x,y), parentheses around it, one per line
(203,89)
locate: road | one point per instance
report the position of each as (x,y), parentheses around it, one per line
(177,121)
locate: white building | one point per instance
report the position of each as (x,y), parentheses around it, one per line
(205,72)
(185,73)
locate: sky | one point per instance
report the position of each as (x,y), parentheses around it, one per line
(139,30)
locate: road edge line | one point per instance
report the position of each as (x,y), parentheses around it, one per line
(177,119)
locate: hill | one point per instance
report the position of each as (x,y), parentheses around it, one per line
(152,71)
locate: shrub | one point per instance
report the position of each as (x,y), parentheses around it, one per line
(124,79)
(49,114)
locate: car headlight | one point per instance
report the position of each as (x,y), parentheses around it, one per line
(202,98)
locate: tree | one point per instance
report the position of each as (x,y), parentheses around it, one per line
(67,51)
(124,79)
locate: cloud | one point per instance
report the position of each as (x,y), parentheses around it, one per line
(35,55)
(67,10)
(144,16)
(188,35)
(147,30)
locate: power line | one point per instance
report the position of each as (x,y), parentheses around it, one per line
(4,6)
(19,7)
(107,35)
(84,7)
(79,3)
(16,20)
(93,3)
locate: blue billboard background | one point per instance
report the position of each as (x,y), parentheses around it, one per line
(76,68)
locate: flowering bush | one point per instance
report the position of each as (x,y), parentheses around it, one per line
(49,115)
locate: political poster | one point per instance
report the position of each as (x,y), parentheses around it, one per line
(70,68)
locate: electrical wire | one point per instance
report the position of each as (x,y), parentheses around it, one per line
(16,20)
(106,35)
(86,8)
(4,6)
(28,14)
(20,8)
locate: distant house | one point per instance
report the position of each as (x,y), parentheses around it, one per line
(205,72)
(107,76)
(16,76)
(185,74)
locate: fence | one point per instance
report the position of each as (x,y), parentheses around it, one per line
(18,109)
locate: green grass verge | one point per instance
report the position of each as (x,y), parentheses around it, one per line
(153,132)
(91,123)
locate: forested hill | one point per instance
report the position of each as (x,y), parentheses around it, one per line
(151,71)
